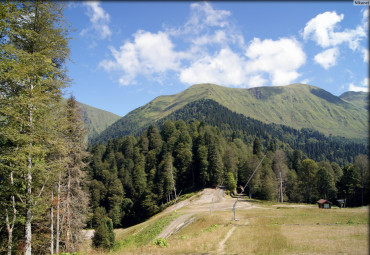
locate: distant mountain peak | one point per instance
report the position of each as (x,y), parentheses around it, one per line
(297,105)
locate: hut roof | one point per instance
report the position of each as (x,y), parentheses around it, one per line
(323,201)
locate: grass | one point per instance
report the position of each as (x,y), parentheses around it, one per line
(135,239)
(267,228)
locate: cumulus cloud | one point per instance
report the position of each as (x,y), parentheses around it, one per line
(99,19)
(364,86)
(280,59)
(327,58)
(204,15)
(365,82)
(215,53)
(322,30)
(148,53)
(353,87)
(224,68)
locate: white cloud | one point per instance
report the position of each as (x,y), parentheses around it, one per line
(203,15)
(148,54)
(365,82)
(353,87)
(305,81)
(225,68)
(327,58)
(215,53)
(365,52)
(322,28)
(256,81)
(281,59)
(99,20)
(365,17)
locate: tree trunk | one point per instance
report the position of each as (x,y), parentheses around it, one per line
(28,230)
(58,217)
(52,225)
(68,202)
(10,226)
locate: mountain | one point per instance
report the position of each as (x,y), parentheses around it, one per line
(297,106)
(97,120)
(359,99)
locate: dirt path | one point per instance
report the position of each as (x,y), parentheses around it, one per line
(221,246)
(209,200)
(175,225)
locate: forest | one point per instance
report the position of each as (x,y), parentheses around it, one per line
(52,185)
(133,178)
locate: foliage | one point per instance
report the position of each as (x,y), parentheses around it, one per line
(104,235)
(230,182)
(41,136)
(161,242)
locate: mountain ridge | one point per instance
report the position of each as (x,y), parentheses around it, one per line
(296,105)
(360,99)
(96,120)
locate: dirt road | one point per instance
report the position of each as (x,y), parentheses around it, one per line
(209,200)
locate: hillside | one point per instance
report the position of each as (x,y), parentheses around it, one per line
(97,120)
(359,99)
(297,105)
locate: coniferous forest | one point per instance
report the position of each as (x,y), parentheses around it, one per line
(133,178)
(53,185)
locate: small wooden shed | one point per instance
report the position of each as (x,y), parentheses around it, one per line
(324,204)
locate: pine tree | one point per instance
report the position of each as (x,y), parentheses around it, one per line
(76,198)
(33,50)
(104,235)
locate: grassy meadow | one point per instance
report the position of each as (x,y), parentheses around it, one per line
(265,228)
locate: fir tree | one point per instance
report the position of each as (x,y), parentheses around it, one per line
(33,50)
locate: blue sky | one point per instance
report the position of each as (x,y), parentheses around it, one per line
(124,54)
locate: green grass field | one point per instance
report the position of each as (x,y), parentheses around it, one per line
(264,228)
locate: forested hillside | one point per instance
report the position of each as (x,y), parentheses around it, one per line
(134,177)
(314,144)
(297,106)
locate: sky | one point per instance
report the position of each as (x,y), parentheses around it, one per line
(125,54)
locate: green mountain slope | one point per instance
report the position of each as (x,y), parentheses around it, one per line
(297,105)
(97,120)
(359,99)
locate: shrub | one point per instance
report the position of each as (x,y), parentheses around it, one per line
(161,242)
(104,236)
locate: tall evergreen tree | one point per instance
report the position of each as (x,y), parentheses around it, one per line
(33,48)
(76,198)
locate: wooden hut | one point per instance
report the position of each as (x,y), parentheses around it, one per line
(324,204)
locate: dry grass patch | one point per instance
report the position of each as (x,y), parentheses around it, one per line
(257,240)
(201,236)
(327,239)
